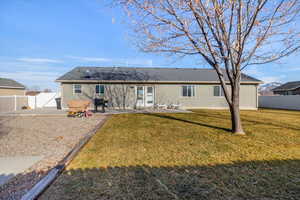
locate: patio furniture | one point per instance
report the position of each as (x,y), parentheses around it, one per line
(78,108)
(161,106)
(175,106)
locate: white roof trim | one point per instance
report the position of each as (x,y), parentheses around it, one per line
(149,81)
(10,87)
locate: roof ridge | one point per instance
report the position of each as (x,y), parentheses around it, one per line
(155,73)
(292,82)
(193,68)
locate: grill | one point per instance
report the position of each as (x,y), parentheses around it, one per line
(100,102)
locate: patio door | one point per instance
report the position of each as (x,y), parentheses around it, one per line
(149,98)
(140,96)
(144,96)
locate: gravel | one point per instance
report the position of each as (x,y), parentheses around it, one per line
(50,137)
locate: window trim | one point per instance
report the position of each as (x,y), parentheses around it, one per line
(193,91)
(99,89)
(74,85)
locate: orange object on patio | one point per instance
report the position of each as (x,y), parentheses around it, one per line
(78,107)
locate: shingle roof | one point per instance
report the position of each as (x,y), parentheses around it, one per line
(288,86)
(9,83)
(145,74)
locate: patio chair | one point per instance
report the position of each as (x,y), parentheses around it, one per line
(174,106)
(161,106)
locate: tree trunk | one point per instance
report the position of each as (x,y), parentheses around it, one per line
(124,102)
(236,123)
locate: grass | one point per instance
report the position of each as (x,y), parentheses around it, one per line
(187,156)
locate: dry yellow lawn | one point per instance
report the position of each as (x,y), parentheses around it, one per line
(187,156)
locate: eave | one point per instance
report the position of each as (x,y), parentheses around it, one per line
(11,87)
(291,89)
(154,82)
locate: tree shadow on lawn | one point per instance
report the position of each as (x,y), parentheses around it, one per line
(242,180)
(245,119)
(165,116)
(281,111)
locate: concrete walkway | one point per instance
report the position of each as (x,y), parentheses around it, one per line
(11,166)
(36,112)
(48,112)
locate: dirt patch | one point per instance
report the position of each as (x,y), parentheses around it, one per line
(50,137)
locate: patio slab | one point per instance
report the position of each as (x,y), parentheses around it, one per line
(36,112)
(11,166)
(120,111)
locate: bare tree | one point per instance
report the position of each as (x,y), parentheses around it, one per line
(47,90)
(227,34)
(34,88)
(119,95)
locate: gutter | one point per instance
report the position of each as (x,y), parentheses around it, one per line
(152,81)
(11,87)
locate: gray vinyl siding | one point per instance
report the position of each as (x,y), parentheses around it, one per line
(169,94)
(204,97)
(88,92)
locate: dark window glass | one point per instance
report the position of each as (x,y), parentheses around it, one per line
(99,89)
(216,91)
(184,91)
(188,90)
(77,88)
(140,93)
(149,90)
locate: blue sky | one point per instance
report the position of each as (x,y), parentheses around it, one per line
(41,40)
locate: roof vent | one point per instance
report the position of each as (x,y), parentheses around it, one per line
(87,74)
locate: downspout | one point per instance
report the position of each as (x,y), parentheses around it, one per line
(256,97)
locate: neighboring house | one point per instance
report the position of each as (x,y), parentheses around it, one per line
(10,87)
(289,88)
(266,89)
(145,87)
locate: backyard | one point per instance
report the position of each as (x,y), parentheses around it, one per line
(187,156)
(32,145)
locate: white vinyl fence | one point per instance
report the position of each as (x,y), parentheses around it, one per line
(291,102)
(15,102)
(12,103)
(43,100)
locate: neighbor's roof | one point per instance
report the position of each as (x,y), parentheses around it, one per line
(9,83)
(288,86)
(120,74)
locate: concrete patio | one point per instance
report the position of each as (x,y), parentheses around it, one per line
(12,166)
(54,112)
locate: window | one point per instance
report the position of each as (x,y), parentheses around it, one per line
(218,91)
(77,89)
(149,96)
(188,91)
(140,93)
(99,89)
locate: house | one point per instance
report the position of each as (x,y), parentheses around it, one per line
(10,87)
(289,88)
(145,87)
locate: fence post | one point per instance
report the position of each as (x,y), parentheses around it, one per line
(15,97)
